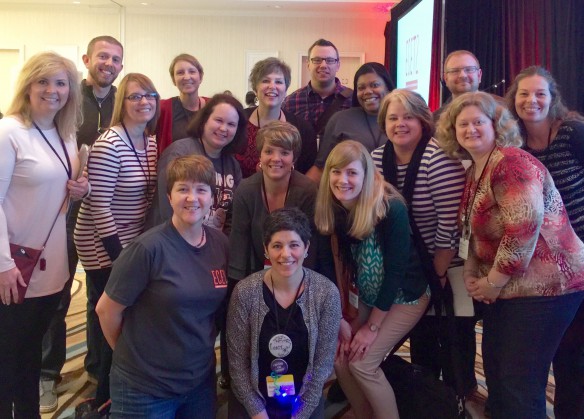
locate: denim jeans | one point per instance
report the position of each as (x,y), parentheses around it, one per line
(520,338)
(129,403)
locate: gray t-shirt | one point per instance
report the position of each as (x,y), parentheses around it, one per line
(173,292)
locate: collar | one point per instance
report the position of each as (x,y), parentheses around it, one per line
(338,88)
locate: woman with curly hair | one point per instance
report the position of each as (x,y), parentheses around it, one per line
(522,255)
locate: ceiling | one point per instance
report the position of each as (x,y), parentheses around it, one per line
(364,8)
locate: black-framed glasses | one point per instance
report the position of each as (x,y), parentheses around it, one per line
(468,70)
(136,97)
(328,60)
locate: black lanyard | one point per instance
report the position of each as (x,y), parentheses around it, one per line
(376,140)
(146,172)
(293,306)
(218,198)
(266,195)
(67,166)
(468,210)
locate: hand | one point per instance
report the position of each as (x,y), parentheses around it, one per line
(483,292)
(8,285)
(361,343)
(78,188)
(262,415)
(344,342)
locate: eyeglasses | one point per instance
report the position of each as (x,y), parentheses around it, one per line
(328,60)
(136,97)
(468,70)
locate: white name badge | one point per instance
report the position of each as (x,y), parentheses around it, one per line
(463,246)
(353,299)
(280,345)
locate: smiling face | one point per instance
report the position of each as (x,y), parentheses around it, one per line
(370,91)
(533,99)
(186,77)
(346,183)
(190,202)
(459,82)
(403,129)
(271,90)
(140,112)
(104,64)
(220,128)
(475,132)
(276,162)
(48,95)
(286,252)
(323,74)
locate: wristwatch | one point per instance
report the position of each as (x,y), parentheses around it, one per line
(373,327)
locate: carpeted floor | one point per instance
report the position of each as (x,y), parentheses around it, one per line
(75,386)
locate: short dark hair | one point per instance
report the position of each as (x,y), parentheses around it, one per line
(287,219)
(195,168)
(369,68)
(197,125)
(103,38)
(267,66)
(322,43)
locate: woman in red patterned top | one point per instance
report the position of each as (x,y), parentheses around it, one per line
(522,255)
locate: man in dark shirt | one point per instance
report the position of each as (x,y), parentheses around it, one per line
(324,94)
(104,62)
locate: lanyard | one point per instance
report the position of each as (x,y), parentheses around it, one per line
(376,140)
(146,172)
(218,198)
(293,307)
(467,208)
(266,195)
(67,167)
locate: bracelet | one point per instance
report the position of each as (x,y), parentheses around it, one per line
(493,285)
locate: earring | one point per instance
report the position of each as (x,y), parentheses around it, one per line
(292,168)
(266,255)
(305,255)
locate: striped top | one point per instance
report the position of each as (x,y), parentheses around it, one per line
(564,159)
(437,193)
(122,190)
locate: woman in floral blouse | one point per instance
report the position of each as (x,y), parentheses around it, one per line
(522,255)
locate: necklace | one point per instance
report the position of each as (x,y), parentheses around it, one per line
(266,195)
(258,116)
(218,201)
(198,245)
(375,139)
(468,208)
(67,167)
(293,306)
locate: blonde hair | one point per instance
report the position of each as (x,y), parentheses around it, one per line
(373,201)
(119,111)
(43,65)
(413,104)
(506,129)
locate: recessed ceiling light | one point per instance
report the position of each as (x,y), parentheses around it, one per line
(144,4)
(76,2)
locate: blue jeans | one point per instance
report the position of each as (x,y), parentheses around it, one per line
(129,403)
(520,338)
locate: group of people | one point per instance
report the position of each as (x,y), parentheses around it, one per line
(311,229)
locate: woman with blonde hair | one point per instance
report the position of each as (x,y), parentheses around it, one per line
(523,257)
(383,290)
(186,73)
(38,168)
(122,169)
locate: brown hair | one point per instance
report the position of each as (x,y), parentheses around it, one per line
(194,168)
(280,134)
(119,111)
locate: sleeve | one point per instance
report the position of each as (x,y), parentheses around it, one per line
(7,163)
(240,237)
(518,189)
(395,231)
(446,179)
(164,126)
(103,169)
(328,141)
(130,274)
(239,350)
(377,157)
(325,348)
(307,207)
(577,140)
(237,177)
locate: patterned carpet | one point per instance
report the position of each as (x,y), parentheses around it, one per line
(75,386)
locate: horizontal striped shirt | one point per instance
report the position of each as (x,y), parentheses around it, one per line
(122,187)
(436,200)
(564,159)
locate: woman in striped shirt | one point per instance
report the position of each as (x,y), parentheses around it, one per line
(555,136)
(122,170)
(432,184)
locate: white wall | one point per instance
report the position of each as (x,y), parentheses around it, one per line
(219,42)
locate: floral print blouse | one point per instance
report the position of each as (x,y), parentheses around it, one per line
(519,226)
